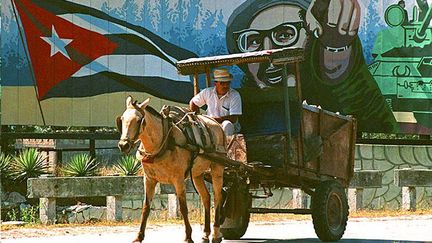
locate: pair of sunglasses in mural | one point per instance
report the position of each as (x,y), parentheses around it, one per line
(283,35)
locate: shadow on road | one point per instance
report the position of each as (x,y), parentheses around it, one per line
(309,240)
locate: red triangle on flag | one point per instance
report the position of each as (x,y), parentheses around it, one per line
(57,48)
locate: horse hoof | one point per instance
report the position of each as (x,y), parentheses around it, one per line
(189,241)
(205,240)
(216,240)
(137,240)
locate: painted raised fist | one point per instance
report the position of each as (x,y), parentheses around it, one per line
(334,22)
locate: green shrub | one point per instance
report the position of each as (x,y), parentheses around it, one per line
(81,165)
(28,214)
(128,165)
(29,163)
(12,215)
(5,166)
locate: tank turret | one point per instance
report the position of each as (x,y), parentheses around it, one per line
(402,68)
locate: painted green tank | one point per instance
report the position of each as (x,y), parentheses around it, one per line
(402,68)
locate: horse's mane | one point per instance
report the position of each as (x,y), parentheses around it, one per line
(153,111)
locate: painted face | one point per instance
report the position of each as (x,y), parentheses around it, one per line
(276,27)
(222,87)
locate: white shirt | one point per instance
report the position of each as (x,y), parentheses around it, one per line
(227,105)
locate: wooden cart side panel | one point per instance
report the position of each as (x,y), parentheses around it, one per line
(292,164)
(352,151)
(268,149)
(329,143)
(337,148)
(311,123)
(334,157)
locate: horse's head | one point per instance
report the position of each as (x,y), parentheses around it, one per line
(130,123)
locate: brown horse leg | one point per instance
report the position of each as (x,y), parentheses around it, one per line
(217,180)
(181,195)
(205,198)
(149,186)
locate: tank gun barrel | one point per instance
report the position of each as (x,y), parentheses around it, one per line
(426,22)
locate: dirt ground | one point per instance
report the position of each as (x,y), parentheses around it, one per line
(38,230)
(359,230)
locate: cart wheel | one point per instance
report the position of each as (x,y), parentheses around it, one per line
(237,214)
(329,211)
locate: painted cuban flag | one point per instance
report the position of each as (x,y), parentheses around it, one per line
(78,51)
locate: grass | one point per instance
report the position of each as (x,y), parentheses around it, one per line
(388,213)
(352,215)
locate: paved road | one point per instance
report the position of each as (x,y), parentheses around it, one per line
(407,229)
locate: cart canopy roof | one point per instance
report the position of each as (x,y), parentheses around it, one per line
(204,64)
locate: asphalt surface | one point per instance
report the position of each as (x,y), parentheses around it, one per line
(401,229)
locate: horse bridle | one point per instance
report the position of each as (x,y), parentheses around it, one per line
(141,121)
(166,130)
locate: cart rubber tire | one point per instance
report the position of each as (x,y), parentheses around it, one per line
(329,211)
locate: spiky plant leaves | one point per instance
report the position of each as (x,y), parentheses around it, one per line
(128,166)
(29,163)
(81,165)
(5,166)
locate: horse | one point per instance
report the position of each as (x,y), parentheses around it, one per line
(166,159)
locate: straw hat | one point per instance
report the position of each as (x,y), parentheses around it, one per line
(222,75)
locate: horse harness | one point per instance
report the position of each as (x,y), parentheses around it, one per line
(198,136)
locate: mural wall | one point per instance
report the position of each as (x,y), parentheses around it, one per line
(74,62)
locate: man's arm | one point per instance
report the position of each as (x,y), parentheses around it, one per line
(198,100)
(193,107)
(231,118)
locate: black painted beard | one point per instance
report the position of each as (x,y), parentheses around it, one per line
(271,75)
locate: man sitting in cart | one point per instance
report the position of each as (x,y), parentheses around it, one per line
(223,102)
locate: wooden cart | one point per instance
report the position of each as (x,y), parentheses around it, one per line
(314,151)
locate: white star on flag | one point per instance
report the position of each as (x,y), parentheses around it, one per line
(57,44)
